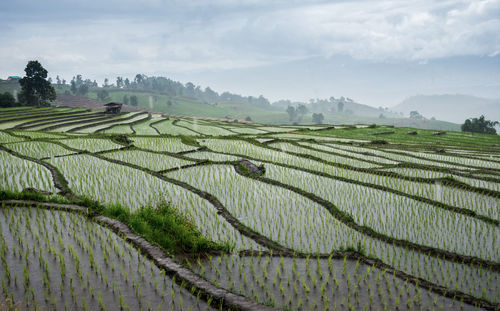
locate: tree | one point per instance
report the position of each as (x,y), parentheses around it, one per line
(36,90)
(73,88)
(416,115)
(83,89)
(292,113)
(119,82)
(127,82)
(302,109)
(248,119)
(318,118)
(189,89)
(480,125)
(102,95)
(138,78)
(106,81)
(340,106)
(7,100)
(125,99)
(133,100)
(169,102)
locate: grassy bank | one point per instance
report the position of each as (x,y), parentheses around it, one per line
(161,225)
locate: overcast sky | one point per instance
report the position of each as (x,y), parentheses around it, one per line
(376,52)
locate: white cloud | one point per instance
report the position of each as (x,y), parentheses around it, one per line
(179,36)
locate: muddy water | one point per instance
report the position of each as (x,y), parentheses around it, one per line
(75,264)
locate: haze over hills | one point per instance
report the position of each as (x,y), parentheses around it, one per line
(453,108)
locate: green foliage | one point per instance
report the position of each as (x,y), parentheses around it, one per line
(165,227)
(10,195)
(292,113)
(133,101)
(83,90)
(103,95)
(7,100)
(73,87)
(379,142)
(36,90)
(479,125)
(340,106)
(243,169)
(188,140)
(318,118)
(416,115)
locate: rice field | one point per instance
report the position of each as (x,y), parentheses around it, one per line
(327,222)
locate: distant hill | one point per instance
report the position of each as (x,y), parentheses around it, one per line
(233,106)
(453,108)
(331,105)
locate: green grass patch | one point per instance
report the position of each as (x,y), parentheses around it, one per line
(29,196)
(188,140)
(162,225)
(166,228)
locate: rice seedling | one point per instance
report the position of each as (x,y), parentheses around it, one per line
(167,127)
(161,144)
(152,161)
(17,174)
(42,277)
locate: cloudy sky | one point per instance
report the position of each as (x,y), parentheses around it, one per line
(376,52)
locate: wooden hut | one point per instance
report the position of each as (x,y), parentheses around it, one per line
(113,107)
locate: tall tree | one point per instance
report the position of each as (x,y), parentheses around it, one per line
(340,106)
(119,82)
(73,87)
(133,100)
(83,89)
(318,118)
(415,115)
(36,90)
(102,95)
(139,78)
(480,125)
(292,113)
(302,109)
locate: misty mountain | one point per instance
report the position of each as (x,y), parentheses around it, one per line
(453,108)
(340,105)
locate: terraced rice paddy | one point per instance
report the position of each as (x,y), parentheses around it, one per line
(334,223)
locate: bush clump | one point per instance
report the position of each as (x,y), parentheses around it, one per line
(165,227)
(379,142)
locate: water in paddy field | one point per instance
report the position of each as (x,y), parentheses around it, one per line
(319,284)
(78,265)
(195,124)
(438,192)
